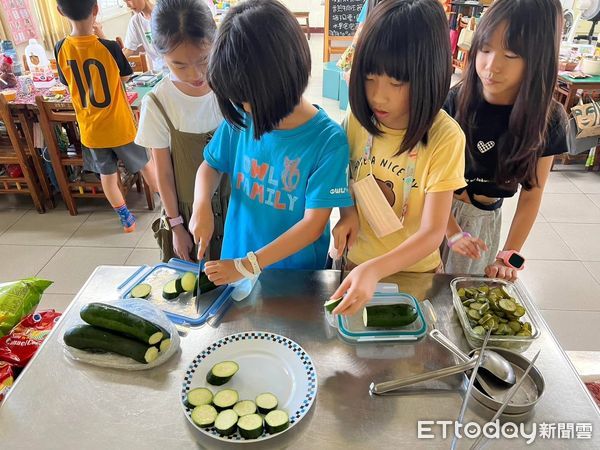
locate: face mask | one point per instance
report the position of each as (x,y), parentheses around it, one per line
(372,202)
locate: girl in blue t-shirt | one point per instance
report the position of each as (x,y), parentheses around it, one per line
(287,160)
(514,128)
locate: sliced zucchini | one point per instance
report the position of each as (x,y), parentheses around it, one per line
(89,338)
(330,305)
(141,291)
(226,422)
(277,421)
(266,402)
(389,316)
(250,426)
(188,281)
(204,284)
(225,399)
(198,397)
(170,290)
(115,319)
(178,286)
(221,373)
(245,407)
(165,345)
(204,415)
(507,305)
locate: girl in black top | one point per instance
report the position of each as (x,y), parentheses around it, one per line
(514,128)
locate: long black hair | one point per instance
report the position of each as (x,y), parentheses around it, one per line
(533,31)
(177,21)
(407,40)
(260,57)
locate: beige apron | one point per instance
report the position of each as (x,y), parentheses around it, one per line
(187,151)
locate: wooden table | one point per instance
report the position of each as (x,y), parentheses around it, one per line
(568,88)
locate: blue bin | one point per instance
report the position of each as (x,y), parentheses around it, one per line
(343,90)
(331,80)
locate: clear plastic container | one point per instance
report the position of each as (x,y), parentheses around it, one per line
(353,329)
(516,343)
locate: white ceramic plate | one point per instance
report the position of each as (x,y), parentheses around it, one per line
(268,363)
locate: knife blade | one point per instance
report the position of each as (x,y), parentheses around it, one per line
(344,261)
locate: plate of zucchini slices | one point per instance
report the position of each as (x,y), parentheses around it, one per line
(249,387)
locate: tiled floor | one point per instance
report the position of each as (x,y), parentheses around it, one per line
(563,251)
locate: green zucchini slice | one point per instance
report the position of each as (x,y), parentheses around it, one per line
(250,426)
(389,316)
(330,305)
(277,421)
(165,345)
(245,407)
(225,399)
(226,422)
(204,415)
(170,290)
(178,286)
(115,319)
(141,291)
(188,281)
(266,402)
(89,338)
(198,397)
(221,373)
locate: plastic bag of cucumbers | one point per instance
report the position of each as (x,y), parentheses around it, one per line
(121,334)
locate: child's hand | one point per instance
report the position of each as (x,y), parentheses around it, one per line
(359,287)
(202,227)
(182,242)
(345,232)
(469,246)
(499,270)
(222,272)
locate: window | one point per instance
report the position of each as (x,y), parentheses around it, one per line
(110,8)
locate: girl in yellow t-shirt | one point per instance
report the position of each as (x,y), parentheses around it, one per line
(407,155)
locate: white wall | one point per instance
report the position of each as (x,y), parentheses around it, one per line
(316,8)
(116,25)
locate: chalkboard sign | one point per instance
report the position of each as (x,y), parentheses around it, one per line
(340,23)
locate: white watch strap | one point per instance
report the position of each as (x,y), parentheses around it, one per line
(239,266)
(254,261)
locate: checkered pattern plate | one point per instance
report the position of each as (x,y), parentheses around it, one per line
(268,363)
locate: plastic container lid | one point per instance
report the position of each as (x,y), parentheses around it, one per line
(185,309)
(353,329)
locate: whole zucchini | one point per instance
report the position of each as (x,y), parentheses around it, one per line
(124,322)
(389,316)
(87,337)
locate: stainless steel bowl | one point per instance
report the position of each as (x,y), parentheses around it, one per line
(529,393)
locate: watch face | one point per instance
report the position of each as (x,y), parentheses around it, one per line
(516,260)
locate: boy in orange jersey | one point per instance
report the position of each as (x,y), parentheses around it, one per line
(95,69)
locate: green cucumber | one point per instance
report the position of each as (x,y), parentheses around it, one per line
(226,422)
(170,290)
(89,338)
(124,322)
(204,285)
(198,397)
(266,402)
(250,426)
(330,305)
(277,421)
(178,286)
(389,316)
(204,415)
(221,373)
(225,399)
(141,291)
(245,407)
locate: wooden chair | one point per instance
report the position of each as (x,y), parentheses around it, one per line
(303,15)
(13,150)
(53,114)
(138,62)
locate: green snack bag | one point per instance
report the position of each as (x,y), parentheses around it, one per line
(18,299)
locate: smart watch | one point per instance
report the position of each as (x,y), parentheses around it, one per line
(175,221)
(511,258)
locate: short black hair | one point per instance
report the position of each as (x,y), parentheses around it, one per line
(76,9)
(177,21)
(407,40)
(261,57)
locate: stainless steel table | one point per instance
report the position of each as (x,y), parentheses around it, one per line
(59,404)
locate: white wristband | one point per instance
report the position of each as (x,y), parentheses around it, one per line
(254,261)
(239,266)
